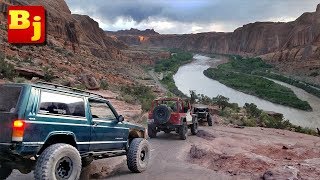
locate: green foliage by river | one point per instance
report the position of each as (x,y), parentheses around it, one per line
(170,66)
(237,74)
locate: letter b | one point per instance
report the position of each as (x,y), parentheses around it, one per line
(19,19)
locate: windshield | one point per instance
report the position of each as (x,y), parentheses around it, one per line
(9,97)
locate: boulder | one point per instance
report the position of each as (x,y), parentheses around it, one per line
(90,82)
(285,172)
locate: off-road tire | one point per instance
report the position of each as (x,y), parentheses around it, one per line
(161,114)
(138,155)
(209,119)
(183,130)
(152,131)
(86,161)
(194,127)
(46,165)
(4,172)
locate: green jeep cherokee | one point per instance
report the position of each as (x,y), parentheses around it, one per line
(55,131)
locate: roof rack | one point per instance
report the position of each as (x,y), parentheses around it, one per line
(68,88)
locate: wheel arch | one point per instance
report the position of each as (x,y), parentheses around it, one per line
(135,133)
(59,137)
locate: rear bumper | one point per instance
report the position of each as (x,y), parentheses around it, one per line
(164,126)
(201,115)
(13,151)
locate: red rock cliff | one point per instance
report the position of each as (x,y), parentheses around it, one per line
(293,43)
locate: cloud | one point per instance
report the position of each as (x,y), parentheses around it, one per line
(194,15)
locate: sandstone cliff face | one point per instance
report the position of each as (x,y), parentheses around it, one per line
(76,47)
(293,45)
(78,32)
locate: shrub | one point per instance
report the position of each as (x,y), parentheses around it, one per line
(7,69)
(104,84)
(140,94)
(48,75)
(19,80)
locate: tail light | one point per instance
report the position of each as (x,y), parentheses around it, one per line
(18,130)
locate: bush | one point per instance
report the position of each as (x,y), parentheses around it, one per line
(138,94)
(48,75)
(6,69)
(104,84)
(19,80)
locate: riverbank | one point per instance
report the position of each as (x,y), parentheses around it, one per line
(191,77)
(237,74)
(168,67)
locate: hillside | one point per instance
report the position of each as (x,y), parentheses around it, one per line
(294,46)
(77,52)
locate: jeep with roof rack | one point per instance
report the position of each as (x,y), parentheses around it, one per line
(56,130)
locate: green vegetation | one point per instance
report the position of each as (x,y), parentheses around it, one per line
(104,84)
(170,66)
(312,89)
(250,115)
(48,74)
(6,69)
(138,94)
(237,74)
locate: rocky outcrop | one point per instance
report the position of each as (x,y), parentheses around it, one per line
(75,46)
(78,33)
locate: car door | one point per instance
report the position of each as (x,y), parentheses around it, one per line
(52,113)
(106,131)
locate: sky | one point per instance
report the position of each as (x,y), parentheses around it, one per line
(188,16)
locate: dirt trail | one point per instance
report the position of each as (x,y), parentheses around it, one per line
(231,153)
(220,153)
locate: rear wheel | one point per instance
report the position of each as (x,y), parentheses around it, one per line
(194,127)
(152,131)
(183,131)
(138,155)
(58,161)
(209,119)
(4,172)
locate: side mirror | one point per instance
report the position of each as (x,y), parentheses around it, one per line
(120,118)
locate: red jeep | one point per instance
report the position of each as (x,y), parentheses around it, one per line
(171,114)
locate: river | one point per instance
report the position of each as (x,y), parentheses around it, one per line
(191,77)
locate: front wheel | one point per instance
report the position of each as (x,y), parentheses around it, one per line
(194,127)
(209,118)
(58,161)
(183,130)
(138,155)
(152,131)
(4,172)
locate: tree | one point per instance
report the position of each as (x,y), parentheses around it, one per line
(252,110)
(221,101)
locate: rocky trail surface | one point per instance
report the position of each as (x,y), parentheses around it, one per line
(220,152)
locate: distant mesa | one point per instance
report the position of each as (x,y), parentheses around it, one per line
(133,31)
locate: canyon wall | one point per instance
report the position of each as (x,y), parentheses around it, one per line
(293,46)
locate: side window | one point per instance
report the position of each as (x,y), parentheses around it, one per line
(101,110)
(51,103)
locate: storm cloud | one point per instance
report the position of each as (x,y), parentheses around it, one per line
(188,16)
